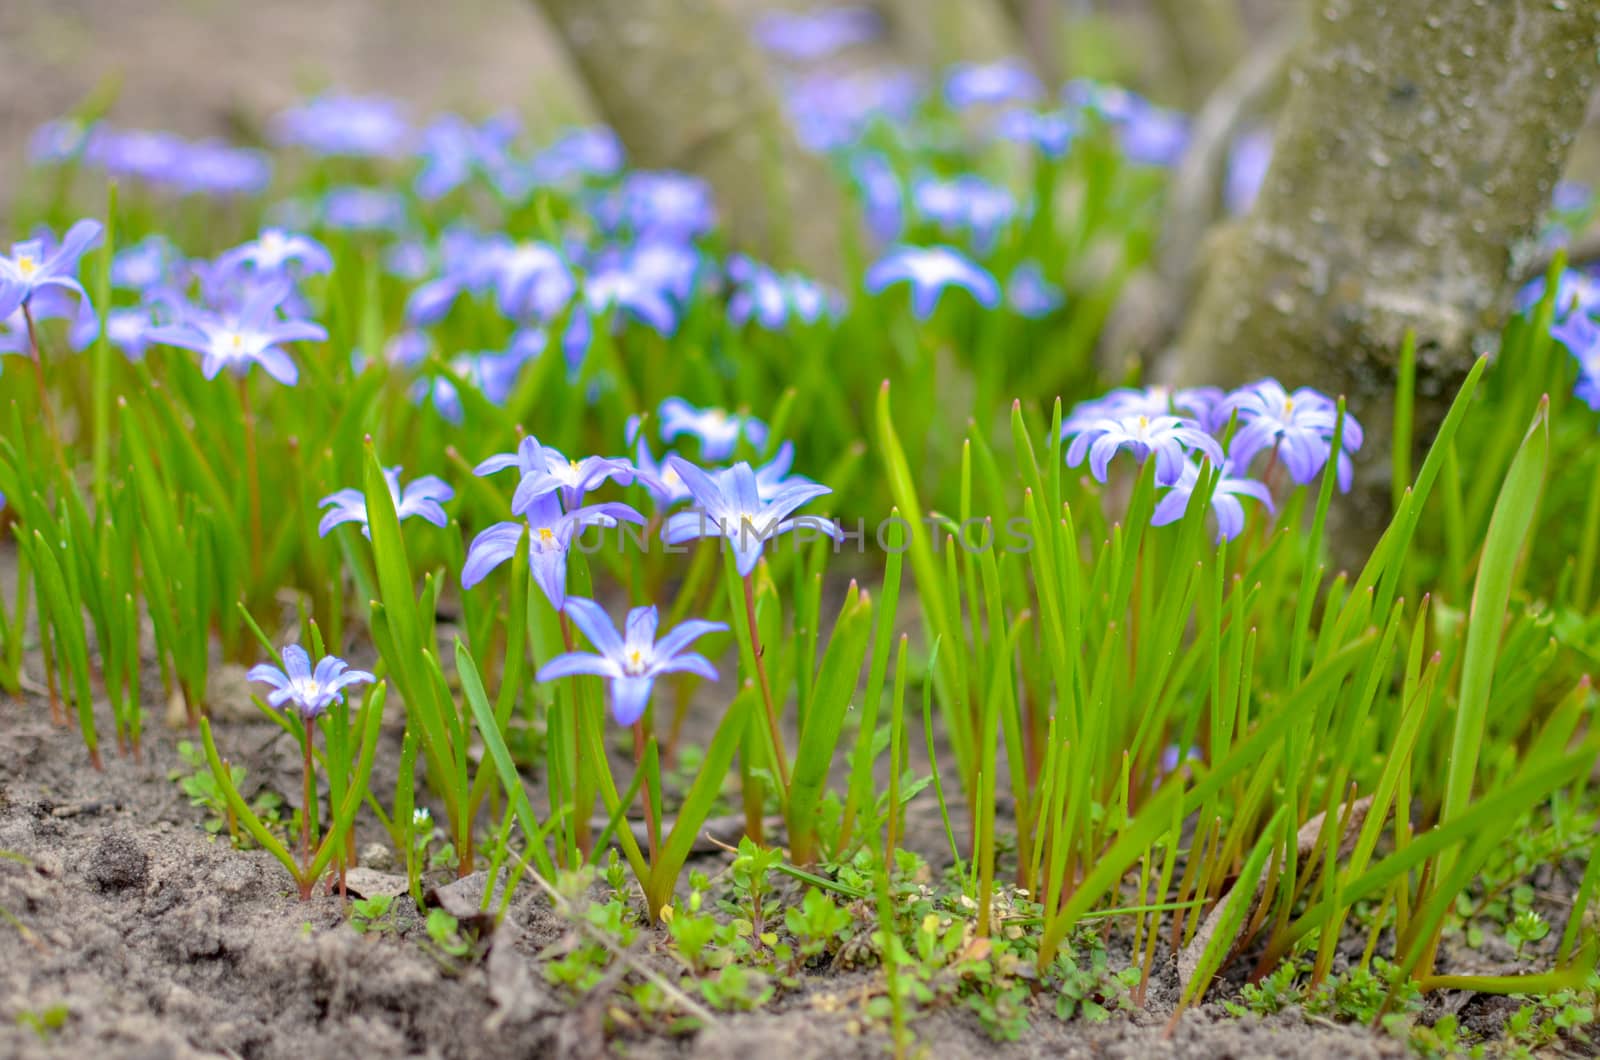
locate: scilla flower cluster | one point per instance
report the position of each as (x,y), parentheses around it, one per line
(1258,439)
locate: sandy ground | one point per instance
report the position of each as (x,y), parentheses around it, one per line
(163,942)
(215,67)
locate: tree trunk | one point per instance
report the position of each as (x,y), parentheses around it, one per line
(942,32)
(684,87)
(1418,146)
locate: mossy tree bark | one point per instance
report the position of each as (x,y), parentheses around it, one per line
(685,88)
(942,32)
(1418,145)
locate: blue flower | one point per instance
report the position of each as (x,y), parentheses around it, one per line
(211,167)
(279,253)
(965,204)
(551,533)
(150,263)
(422,498)
(1169,438)
(55,142)
(1050,132)
(882,196)
(659,204)
(129,331)
(50,303)
(771,298)
(813,35)
(311,692)
(249,336)
(1576,292)
(1147,134)
(1197,403)
(730,506)
(929,271)
(1227,489)
(532,280)
(1004,81)
(544,470)
(717,430)
(471,263)
(1581,336)
(630,662)
(31,268)
(494,375)
(357,126)
(1030,294)
(1297,427)
(453,149)
(580,153)
(1247,170)
(355,209)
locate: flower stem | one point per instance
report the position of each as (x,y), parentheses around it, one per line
(252,473)
(645,796)
(310,795)
(766,689)
(580,820)
(44,394)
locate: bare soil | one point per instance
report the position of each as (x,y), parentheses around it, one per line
(163,941)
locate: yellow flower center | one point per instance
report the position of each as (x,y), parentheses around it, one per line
(1288,404)
(236,341)
(546,536)
(635,662)
(1144,423)
(27,266)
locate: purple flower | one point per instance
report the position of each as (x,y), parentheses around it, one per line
(279,253)
(355,209)
(771,298)
(311,692)
(147,264)
(251,335)
(544,470)
(211,167)
(666,488)
(493,375)
(359,126)
(422,499)
(1147,133)
(1581,336)
(453,149)
(1247,169)
(882,196)
(929,271)
(56,142)
(662,204)
(532,280)
(1576,292)
(966,204)
(129,331)
(717,430)
(630,662)
(1030,294)
(809,36)
(730,506)
(1003,81)
(1197,403)
(580,153)
(1297,427)
(1227,489)
(1051,132)
(31,268)
(50,303)
(773,477)
(551,533)
(1170,438)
